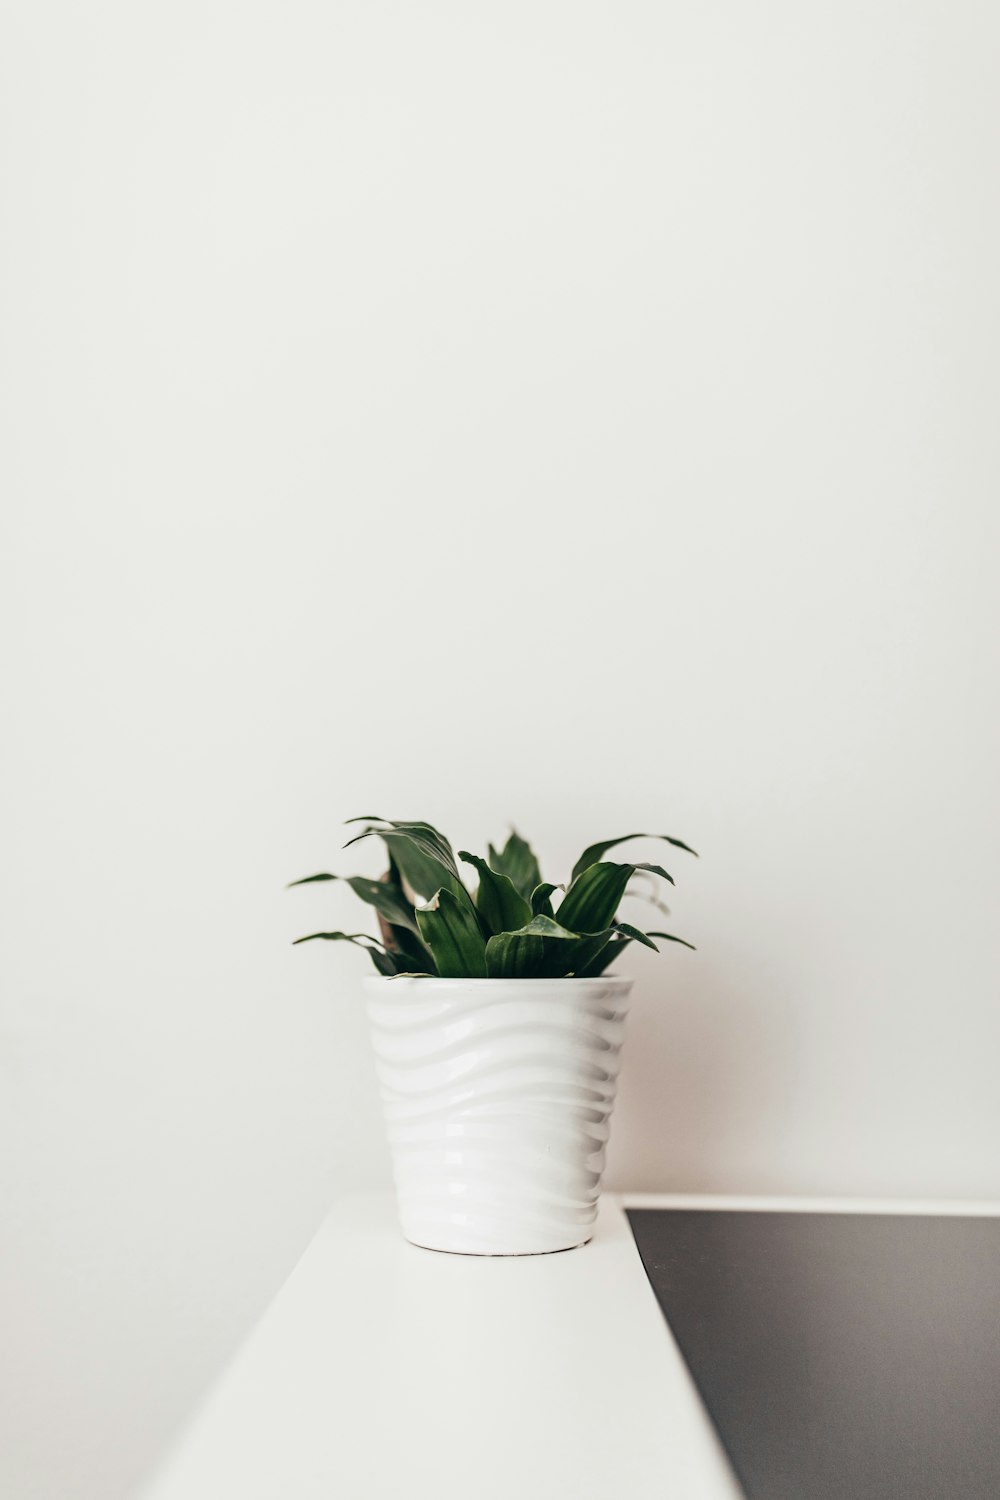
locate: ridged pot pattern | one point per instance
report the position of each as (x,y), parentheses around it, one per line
(498,1096)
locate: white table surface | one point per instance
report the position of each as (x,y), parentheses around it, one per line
(381,1370)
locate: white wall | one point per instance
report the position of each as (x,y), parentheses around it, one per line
(580,413)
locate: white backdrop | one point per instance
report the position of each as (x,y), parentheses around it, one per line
(583,414)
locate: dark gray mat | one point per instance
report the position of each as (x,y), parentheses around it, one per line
(841,1356)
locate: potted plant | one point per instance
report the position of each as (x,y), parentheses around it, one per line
(497,1033)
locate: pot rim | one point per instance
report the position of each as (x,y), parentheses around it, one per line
(611,981)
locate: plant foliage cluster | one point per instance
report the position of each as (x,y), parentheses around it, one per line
(514,925)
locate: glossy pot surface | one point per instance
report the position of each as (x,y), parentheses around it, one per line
(498,1096)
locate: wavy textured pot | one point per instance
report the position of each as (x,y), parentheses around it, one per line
(498,1096)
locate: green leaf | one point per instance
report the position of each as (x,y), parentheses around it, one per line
(396,918)
(339,937)
(654,870)
(510,955)
(565,959)
(668,937)
(517,861)
(522,954)
(423,856)
(422,836)
(308,880)
(387,899)
(382,961)
(541,949)
(408,952)
(502,907)
(593,897)
(636,934)
(613,951)
(541,902)
(451,931)
(545,927)
(597,851)
(401,939)
(423,874)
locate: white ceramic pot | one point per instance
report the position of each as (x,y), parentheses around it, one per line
(498,1096)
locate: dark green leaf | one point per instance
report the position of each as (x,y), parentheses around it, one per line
(400,933)
(423,857)
(541,902)
(423,874)
(387,899)
(668,937)
(592,899)
(451,930)
(636,934)
(382,961)
(308,880)
(541,949)
(512,956)
(597,851)
(403,942)
(407,952)
(522,954)
(654,870)
(517,861)
(565,959)
(422,836)
(613,951)
(545,927)
(502,907)
(339,937)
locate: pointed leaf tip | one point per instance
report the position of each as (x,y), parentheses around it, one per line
(595,852)
(637,935)
(363,940)
(499,903)
(668,937)
(517,861)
